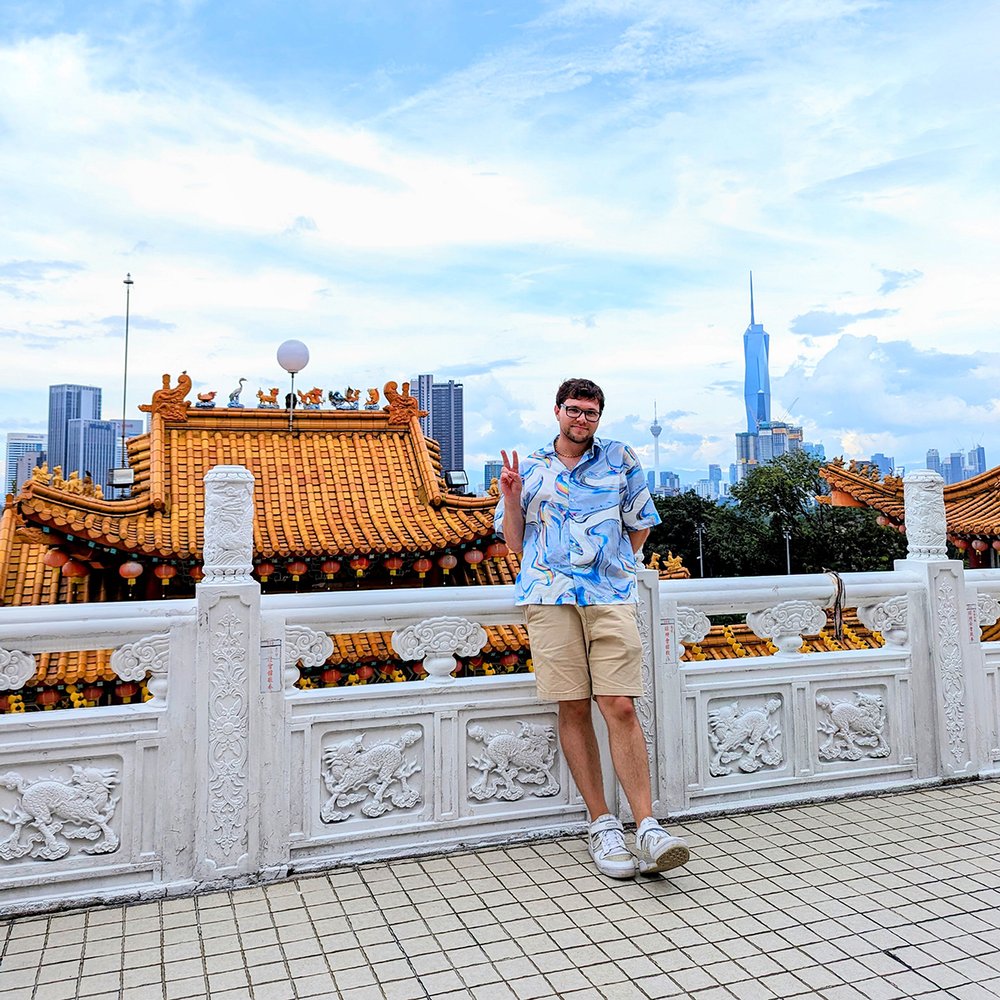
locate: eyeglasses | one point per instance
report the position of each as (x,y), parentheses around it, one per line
(592,416)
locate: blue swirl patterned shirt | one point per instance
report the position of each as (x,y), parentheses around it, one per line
(576,547)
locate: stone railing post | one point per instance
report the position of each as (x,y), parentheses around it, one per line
(948,670)
(227,678)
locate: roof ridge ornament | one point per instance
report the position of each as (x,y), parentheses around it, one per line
(402,406)
(170,403)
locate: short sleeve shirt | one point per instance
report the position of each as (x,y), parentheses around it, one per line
(576,522)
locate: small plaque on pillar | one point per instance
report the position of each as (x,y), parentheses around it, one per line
(270,666)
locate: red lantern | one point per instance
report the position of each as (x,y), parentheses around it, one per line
(508,660)
(126,691)
(130,571)
(498,550)
(297,568)
(882,521)
(359,564)
(901,528)
(74,571)
(473,557)
(165,572)
(264,570)
(48,698)
(961,544)
(365,674)
(996,545)
(93,692)
(55,558)
(331,676)
(393,564)
(196,573)
(979,545)
(331,568)
(422,567)
(447,562)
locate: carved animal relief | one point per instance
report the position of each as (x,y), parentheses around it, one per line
(51,812)
(745,739)
(510,761)
(375,775)
(854,729)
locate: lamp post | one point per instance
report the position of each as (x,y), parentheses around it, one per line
(293,356)
(700,529)
(787,532)
(128,294)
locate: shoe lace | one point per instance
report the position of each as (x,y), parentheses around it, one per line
(611,841)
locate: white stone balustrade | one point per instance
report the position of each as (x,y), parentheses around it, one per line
(231,774)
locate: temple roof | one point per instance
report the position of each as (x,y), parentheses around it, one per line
(341,482)
(972,507)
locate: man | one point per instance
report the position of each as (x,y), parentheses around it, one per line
(578,511)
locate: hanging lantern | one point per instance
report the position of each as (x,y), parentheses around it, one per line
(264,570)
(961,544)
(126,691)
(447,562)
(473,557)
(331,676)
(979,545)
(882,521)
(165,572)
(331,568)
(74,571)
(196,573)
(393,564)
(93,692)
(498,550)
(297,568)
(901,528)
(422,567)
(359,564)
(508,661)
(130,571)
(55,558)
(48,698)
(996,545)
(365,673)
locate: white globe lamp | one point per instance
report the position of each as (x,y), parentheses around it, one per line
(293,356)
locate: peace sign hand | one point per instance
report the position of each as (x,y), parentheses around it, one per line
(510,479)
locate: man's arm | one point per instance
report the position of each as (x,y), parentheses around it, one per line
(510,491)
(638,539)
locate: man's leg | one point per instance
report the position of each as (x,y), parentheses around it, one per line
(628,752)
(579,746)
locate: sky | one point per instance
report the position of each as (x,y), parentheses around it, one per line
(510,193)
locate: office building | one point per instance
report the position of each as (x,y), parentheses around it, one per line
(491,471)
(883,463)
(66,403)
(421,387)
(934,460)
(814,449)
(21,446)
(93,448)
(447,424)
(756,380)
(954,469)
(976,461)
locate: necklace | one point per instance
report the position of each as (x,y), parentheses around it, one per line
(563,454)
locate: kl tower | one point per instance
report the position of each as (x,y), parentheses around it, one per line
(655,430)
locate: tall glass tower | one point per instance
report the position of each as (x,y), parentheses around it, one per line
(757,382)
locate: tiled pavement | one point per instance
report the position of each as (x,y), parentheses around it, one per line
(894,896)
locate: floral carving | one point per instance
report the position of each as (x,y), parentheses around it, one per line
(354,773)
(228,719)
(228,525)
(644,705)
(692,625)
(854,729)
(134,660)
(987,609)
(746,738)
(952,680)
(786,623)
(511,759)
(80,808)
(923,501)
(889,618)
(16,669)
(437,641)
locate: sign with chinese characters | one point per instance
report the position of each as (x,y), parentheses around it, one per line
(270,666)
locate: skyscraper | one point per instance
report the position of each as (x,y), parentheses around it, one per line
(934,460)
(66,403)
(756,380)
(884,463)
(447,424)
(92,447)
(977,460)
(421,387)
(19,445)
(491,471)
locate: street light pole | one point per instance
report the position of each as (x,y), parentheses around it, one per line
(128,293)
(700,529)
(787,532)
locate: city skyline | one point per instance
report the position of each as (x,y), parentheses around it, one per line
(510,195)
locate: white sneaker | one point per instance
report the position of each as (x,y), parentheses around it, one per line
(606,842)
(657,850)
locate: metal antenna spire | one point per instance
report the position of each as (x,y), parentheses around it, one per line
(751,298)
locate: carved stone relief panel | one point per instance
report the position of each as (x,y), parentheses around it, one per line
(48,812)
(16,669)
(926,525)
(745,735)
(372,770)
(854,726)
(644,707)
(513,761)
(987,609)
(786,623)
(888,618)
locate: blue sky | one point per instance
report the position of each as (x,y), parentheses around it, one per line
(510,194)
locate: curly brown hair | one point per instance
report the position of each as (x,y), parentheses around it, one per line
(580,388)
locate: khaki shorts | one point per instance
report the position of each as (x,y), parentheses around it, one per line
(582,651)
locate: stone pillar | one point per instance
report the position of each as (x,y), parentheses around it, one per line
(951,686)
(226,676)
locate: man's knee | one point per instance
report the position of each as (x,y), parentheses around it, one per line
(617,708)
(574,711)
